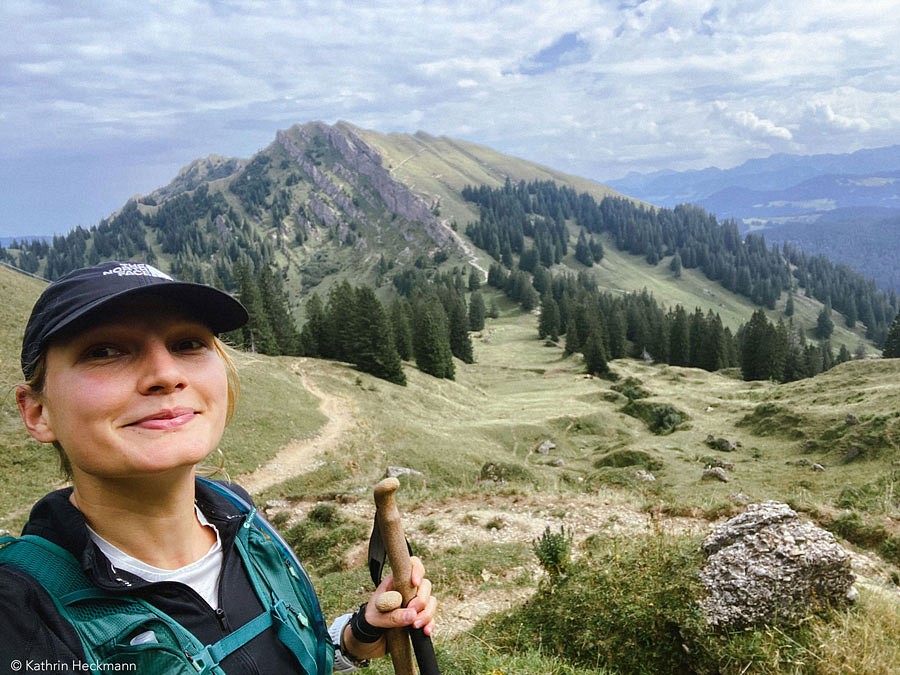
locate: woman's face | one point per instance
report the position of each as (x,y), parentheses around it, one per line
(141,394)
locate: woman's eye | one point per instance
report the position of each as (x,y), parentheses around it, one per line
(102,352)
(190,344)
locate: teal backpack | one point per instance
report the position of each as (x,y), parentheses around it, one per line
(123,630)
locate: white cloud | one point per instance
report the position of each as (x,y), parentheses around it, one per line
(592,88)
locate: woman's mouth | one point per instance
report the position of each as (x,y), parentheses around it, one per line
(166,419)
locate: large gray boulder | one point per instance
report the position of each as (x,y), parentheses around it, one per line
(766,566)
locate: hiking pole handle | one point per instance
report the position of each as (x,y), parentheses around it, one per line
(388,517)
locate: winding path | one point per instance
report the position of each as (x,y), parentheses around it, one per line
(301,455)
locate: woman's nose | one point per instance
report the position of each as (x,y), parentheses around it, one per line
(160,371)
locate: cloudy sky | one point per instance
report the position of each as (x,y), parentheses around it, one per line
(101,100)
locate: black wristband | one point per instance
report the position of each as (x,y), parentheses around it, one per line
(362,630)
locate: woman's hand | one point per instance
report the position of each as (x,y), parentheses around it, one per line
(419,612)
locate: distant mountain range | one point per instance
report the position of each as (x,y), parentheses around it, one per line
(846,207)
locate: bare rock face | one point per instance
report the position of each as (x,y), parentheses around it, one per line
(767,566)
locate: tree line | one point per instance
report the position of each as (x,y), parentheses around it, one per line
(528,220)
(427,322)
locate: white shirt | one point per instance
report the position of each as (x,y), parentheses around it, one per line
(202,575)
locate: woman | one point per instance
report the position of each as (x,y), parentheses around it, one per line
(126,378)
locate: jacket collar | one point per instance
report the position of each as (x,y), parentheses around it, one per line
(56,519)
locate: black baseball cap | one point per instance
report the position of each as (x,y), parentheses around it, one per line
(82,294)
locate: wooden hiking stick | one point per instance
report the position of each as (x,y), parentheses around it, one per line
(387,515)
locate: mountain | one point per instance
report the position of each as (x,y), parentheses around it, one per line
(775,174)
(327,203)
(819,203)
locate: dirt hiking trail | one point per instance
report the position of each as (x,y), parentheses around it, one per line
(301,455)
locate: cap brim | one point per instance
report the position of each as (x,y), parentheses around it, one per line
(216,309)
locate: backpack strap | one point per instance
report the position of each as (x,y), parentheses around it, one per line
(99,618)
(278,575)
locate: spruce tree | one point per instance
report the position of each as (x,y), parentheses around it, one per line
(339,343)
(824,323)
(458,326)
(582,251)
(477,311)
(679,338)
(594,351)
(375,352)
(892,342)
(313,333)
(548,323)
(401,324)
(756,348)
(675,266)
(275,303)
(431,339)
(257,334)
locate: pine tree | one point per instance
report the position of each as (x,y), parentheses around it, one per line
(314,330)
(757,346)
(474,280)
(548,323)
(375,352)
(675,266)
(824,323)
(401,324)
(582,251)
(595,361)
(477,311)
(257,334)
(573,338)
(679,338)
(431,339)
(339,343)
(275,303)
(892,343)
(458,327)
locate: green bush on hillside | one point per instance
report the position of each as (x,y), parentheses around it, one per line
(621,606)
(631,389)
(323,537)
(660,418)
(623,458)
(630,605)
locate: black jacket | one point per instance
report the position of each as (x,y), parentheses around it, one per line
(31,630)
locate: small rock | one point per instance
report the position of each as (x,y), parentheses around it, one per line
(545,447)
(716,473)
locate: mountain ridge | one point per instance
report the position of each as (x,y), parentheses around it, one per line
(325,203)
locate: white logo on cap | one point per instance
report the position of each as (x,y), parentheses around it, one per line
(137,270)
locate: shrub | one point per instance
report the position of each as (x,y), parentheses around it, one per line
(620,607)
(323,536)
(631,389)
(623,458)
(553,551)
(852,527)
(660,418)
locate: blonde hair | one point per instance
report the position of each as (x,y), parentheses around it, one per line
(38,379)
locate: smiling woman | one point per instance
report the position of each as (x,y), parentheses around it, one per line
(139,561)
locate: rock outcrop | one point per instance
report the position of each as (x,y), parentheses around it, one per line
(766,566)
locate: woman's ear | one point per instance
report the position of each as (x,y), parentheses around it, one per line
(33,413)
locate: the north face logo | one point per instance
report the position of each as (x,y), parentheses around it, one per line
(137,270)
